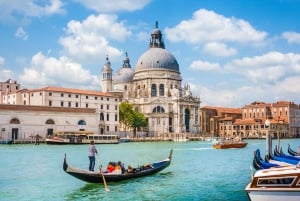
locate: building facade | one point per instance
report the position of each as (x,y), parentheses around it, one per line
(249,121)
(155,89)
(97,111)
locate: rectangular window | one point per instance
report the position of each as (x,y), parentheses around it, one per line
(116,117)
(86,97)
(50,103)
(107,99)
(69,104)
(76,104)
(107,117)
(76,96)
(96,97)
(116,128)
(101,107)
(69,95)
(107,128)
(50,93)
(107,107)
(116,107)
(61,103)
(62,95)
(86,105)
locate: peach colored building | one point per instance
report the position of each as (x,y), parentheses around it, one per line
(249,121)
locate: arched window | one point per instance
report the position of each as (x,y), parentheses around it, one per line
(81,122)
(50,121)
(161,90)
(158,109)
(101,116)
(14,121)
(187,120)
(153,90)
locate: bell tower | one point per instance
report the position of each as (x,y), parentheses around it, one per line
(107,76)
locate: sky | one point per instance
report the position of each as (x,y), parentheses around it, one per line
(230,52)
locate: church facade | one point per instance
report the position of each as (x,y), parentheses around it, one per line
(155,88)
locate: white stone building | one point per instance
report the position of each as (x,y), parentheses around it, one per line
(45,110)
(155,89)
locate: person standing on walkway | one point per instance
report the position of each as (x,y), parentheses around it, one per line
(92,151)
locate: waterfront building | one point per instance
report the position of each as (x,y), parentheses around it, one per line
(8,87)
(24,122)
(155,89)
(216,120)
(249,121)
(67,109)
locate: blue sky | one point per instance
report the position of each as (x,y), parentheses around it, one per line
(231,52)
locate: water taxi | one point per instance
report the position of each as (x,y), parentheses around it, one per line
(81,137)
(276,184)
(229,144)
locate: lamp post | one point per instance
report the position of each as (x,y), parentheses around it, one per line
(268,138)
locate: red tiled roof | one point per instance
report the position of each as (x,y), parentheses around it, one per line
(71,90)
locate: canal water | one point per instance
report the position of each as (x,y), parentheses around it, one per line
(198,172)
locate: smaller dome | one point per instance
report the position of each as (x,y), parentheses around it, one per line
(123,75)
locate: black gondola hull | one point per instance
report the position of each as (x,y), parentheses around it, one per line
(96,177)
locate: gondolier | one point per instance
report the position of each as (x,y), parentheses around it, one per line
(92,151)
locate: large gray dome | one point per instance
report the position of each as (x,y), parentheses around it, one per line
(124,75)
(157,58)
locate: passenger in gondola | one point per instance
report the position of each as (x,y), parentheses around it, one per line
(110,167)
(130,169)
(118,169)
(122,166)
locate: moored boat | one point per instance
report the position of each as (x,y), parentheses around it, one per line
(292,152)
(63,138)
(279,184)
(97,177)
(229,144)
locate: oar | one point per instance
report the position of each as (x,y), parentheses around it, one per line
(104,181)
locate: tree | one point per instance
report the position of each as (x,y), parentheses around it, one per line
(138,121)
(125,114)
(131,118)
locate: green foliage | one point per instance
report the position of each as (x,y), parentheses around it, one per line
(131,118)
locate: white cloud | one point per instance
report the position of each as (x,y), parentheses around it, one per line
(52,71)
(85,41)
(114,5)
(29,8)
(292,37)
(20,33)
(204,66)
(5,73)
(270,67)
(2,60)
(207,26)
(218,49)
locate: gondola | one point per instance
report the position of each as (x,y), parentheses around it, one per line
(280,153)
(259,163)
(97,177)
(292,152)
(281,159)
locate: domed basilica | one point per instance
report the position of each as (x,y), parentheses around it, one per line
(155,89)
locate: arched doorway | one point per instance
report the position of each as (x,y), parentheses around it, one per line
(50,122)
(187,119)
(15,129)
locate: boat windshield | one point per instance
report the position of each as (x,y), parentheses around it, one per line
(276,181)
